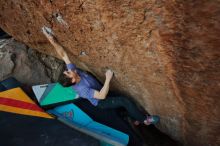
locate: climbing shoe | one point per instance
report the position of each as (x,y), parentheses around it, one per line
(151,120)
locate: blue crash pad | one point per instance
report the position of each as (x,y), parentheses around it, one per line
(73,115)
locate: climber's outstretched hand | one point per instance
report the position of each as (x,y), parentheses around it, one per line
(109,74)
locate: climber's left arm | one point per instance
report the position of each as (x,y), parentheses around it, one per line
(59,49)
(62,53)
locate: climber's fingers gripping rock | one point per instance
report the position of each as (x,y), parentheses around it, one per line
(109,74)
(48,35)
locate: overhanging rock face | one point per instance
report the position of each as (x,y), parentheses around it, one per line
(165,54)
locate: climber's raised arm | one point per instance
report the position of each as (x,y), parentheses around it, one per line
(61,52)
(59,49)
(105,89)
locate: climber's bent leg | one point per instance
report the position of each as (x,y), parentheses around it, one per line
(116,102)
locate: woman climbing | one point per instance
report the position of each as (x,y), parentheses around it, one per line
(88,87)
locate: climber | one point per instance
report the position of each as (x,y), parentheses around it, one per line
(88,87)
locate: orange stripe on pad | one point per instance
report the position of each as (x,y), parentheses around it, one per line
(18,96)
(24,111)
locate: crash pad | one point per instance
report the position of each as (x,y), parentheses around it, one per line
(39,90)
(16,101)
(9,83)
(109,117)
(35,130)
(47,91)
(59,94)
(108,132)
(72,113)
(75,117)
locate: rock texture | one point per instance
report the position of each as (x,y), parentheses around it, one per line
(31,67)
(165,53)
(27,65)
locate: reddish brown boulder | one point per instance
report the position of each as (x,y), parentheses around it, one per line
(165,53)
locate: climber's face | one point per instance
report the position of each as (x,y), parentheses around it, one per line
(72,75)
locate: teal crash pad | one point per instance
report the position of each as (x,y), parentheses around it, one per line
(58,94)
(47,91)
